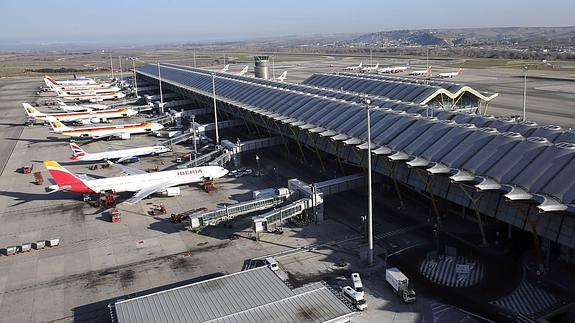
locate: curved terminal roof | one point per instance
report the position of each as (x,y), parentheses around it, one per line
(553,133)
(403,89)
(472,151)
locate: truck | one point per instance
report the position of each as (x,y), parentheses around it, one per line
(400,284)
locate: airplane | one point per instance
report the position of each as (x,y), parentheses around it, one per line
(84,117)
(75,81)
(83,89)
(122,131)
(354,68)
(79,108)
(117,156)
(393,69)
(421,72)
(280,78)
(226,68)
(370,69)
(91,97)
(451,74)
(142,183)
(52,84)
(244,71)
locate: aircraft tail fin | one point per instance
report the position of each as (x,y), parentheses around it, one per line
(31,111)
(65,180)
(282,76)
(244,71)
(56,125)
(77,152)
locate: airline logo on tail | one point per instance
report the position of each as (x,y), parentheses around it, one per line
(65,180)
(77,152)
(31,111)
(56,125)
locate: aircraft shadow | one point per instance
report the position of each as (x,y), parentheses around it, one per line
(22,197)
(38,141)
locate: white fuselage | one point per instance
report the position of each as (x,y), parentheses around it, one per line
(83,90)
(116,130)
(102,114)
(91,96)
(393,69)
(77,82)
(124,153)
(134,183)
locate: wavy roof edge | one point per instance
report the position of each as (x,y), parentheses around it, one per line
(416,82)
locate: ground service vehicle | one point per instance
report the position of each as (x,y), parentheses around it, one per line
(354,297)
(400,284)
(357,285)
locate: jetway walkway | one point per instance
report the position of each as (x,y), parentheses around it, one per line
(200,160)
(270,220)
(124,102)
(216,216)
(341,184)
(250,145)
(223,124)
(162,119)
(177,103)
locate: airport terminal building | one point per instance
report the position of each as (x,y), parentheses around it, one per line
(499,169)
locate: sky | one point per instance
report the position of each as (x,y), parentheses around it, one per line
(144,21)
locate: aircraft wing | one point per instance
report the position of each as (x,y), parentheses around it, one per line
(123,159)
(127,170)
(147,191)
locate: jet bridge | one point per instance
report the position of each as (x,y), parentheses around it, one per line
(229,212)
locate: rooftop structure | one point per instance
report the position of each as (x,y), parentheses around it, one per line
(255,295)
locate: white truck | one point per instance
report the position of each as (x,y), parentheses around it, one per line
(400,284)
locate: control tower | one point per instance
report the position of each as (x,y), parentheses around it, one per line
(261,66)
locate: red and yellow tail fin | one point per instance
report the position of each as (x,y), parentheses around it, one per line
(64,178)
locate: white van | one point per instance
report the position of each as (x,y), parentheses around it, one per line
(272,263)
(357,285)
(354,297)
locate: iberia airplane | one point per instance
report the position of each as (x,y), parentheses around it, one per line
(90,96)
(122,131)
(76,81)
(142,183)
(91,116)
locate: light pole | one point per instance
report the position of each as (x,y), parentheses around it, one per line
(369,193)
(161,95)
(215,108)
(121,73)
(111,66)
(525,68)
(194,135)
(133,59)
(258,162)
